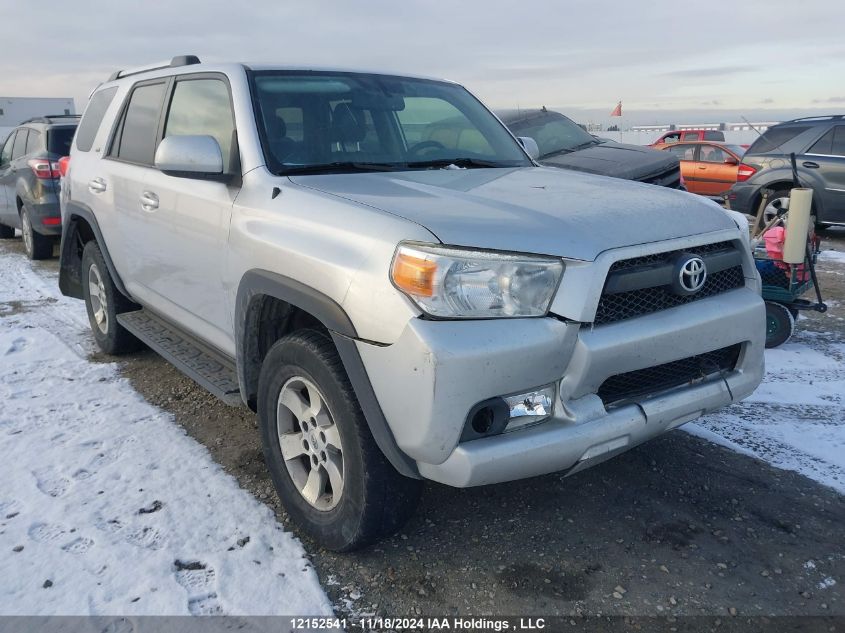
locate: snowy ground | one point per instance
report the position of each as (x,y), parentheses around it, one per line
(106,506)
(796,419)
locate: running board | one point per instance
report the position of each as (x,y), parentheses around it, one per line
(209,368)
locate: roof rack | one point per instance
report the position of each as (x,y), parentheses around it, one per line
(826,117)
(48,118)
(179,60)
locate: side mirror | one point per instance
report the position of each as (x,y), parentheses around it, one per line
(530,146)
(191,157)
(730,160)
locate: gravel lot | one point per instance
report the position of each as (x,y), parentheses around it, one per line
(678,526)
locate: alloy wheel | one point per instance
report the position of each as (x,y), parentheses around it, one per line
(310,443)
(99,301)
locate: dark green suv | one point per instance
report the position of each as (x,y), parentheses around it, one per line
(819,147)
(29,181)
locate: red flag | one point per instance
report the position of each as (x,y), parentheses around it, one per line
(617,111)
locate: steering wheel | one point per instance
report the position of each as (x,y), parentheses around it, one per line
(415,150)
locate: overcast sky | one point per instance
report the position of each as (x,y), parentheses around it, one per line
(655,55)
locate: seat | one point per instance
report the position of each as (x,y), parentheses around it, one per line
(348,127)
(280,145)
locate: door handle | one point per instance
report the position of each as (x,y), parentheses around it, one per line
(702,167)
(810,164)
(149,201)
(96,185)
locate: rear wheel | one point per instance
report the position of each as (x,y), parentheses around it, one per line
(104,302)
(37,246)
(779,324)
(330,475)
(6,232)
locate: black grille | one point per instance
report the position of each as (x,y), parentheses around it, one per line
(651,380)
(627,305)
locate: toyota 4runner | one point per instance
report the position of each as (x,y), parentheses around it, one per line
(397,303)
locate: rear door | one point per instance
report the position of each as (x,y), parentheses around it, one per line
(186,231)
(9,173)
(824,162)
(716,169)
(116,185)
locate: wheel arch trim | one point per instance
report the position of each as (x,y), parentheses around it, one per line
(257,284)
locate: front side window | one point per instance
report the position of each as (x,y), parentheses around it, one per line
(322,121)
(136,140)
(554,133)
(672,138)
(6,152)
(683,152)
(202,107)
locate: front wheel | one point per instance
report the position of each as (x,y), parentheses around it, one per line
(37,246)
(330,475)
(780,324)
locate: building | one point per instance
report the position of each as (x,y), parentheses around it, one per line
(13,110)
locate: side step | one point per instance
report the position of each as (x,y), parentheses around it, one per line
(209,368)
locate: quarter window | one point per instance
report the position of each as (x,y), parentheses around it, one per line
(92,118)
(136,141)
(33,143)
(202,107)
(20,144)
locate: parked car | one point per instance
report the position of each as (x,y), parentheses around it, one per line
(563,143)
(819,146)
(29,181)
(687,136)
(396,307)
(709,169)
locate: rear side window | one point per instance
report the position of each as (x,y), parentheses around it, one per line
(202,107)
(94,114)
(136,140)
(33,143)
(710,135)
(831,144)
(774,137)
(59,140)
(20,144)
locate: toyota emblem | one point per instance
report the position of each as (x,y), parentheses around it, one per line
(691,274)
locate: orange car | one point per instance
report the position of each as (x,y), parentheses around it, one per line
(709,168)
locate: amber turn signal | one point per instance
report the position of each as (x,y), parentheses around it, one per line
(414,275)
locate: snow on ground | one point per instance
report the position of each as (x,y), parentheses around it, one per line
(795,420)
(106,505)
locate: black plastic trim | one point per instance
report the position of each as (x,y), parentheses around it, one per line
(257,283)
(70,282)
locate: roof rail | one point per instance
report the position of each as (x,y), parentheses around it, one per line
(179,60)
(825,117)
(48,118)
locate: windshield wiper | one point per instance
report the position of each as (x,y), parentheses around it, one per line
(569,150)
(457,162)
(338,167)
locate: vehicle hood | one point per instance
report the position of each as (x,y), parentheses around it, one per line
(529,209)
(632,162)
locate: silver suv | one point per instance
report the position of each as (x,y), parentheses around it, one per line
(399,298)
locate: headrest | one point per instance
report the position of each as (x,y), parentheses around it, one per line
(347,124)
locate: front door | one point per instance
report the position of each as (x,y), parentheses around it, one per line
(188,219)
(715,170)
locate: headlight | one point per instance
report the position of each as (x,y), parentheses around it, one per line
(460,283)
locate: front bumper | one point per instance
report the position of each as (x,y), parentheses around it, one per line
(428,381)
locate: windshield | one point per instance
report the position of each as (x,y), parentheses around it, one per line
(322,121)
(554,133)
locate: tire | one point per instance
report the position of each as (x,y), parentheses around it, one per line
(37,246)
(6,232)
(374,500)
(104,306)
(779,324)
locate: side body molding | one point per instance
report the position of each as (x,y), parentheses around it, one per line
(258,283)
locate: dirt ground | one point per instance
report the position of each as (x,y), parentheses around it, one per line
(677,526)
